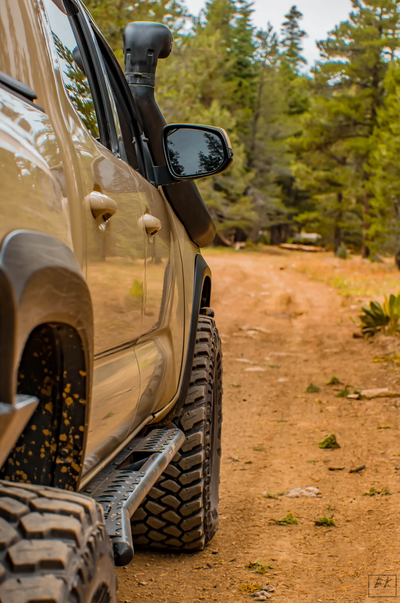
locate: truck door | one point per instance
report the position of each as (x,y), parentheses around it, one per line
(113,203)
(159,349)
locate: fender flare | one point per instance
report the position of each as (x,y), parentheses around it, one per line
(47,286)
(41,282)
(201,299)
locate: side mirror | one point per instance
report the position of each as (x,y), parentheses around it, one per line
(193,151)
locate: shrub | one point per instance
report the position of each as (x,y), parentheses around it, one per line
(288,520)
(342,252)
(325,520)
(329,442)
(334,381)
(379,317)
(313,389)
(258,567)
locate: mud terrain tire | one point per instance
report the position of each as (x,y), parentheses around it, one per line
(53,547)
(181,511)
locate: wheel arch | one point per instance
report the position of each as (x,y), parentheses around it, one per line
(45,289)
(201,298)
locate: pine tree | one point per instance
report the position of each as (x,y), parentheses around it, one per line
(112,15)
(368,40)
(384,232)
(291,42)
(348,92)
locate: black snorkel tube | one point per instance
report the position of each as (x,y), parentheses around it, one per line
(144,44)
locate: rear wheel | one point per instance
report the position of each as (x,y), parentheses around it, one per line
(181,510)
(53,547)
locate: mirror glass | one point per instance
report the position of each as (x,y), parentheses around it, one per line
(194,152)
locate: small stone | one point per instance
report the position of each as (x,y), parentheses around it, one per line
(309,492)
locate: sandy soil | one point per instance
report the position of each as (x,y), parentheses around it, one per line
(283,326)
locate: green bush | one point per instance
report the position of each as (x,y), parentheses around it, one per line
(325,520)
(342,252)
(329,442)
(379,317)
(288,520)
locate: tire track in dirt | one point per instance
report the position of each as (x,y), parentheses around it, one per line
(293,331)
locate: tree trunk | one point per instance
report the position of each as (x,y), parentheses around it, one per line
(256,118)
(338,219)
(365,251)
(397,259)
(276,234)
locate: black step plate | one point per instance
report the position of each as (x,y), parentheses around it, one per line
(121,491)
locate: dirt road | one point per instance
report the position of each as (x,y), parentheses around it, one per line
(282,331)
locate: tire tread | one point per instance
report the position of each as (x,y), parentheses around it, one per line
(184,485)
(51,546)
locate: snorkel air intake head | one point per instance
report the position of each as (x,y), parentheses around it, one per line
(144,43)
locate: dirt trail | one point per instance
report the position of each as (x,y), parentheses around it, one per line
(280,332)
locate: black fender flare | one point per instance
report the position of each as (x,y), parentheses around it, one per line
(41,282)
(47,285)
(201,299)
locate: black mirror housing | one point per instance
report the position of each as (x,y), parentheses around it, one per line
(194,151)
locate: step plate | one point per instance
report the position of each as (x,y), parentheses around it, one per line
(121,491)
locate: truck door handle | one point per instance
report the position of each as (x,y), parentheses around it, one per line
(150,223)
(101,205)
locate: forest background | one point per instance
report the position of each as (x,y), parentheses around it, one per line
(317,148)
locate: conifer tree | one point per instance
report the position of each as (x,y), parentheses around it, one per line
(349,90)
(384,232)
(291,42)
(112,15)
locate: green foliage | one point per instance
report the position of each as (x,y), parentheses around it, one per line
(343,393)
(333,381)
(334,151)
(329,442)
(288,520)
(136,291)
(316,153)
(325,520)
(258,567)
(313,389)
(111,16)
(384,231)
(341,252)
(291,41)
(374,492)
(384,318)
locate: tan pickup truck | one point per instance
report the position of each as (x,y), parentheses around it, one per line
(110,372)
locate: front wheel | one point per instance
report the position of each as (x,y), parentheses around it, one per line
(181,510)
(53,547)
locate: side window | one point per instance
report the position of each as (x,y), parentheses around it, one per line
(125,121)
(76,82)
